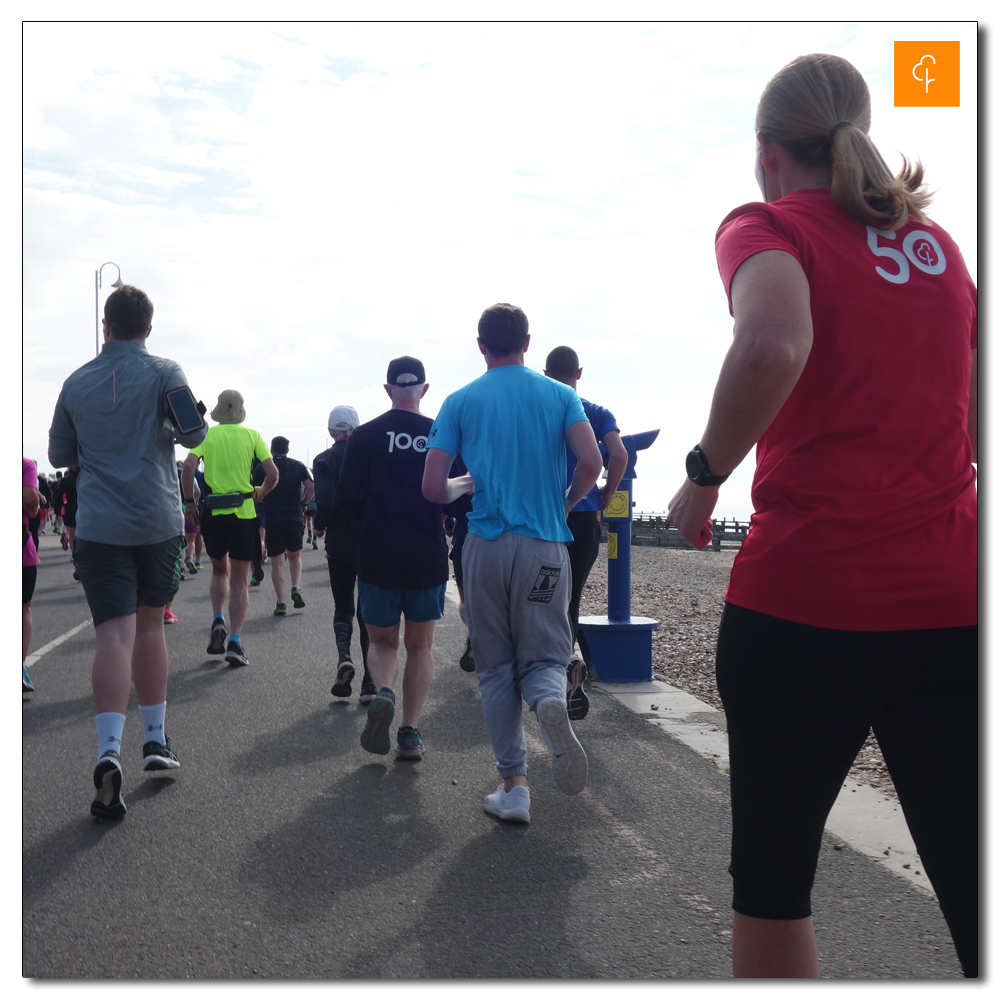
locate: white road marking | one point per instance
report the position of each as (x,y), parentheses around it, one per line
(48,647)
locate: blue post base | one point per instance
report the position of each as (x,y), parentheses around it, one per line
(622,651)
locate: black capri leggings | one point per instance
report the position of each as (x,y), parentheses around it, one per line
(342,580)
(799,703)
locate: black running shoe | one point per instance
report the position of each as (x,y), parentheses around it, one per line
(159,756)
(235,656)
(467,662)
(297,599)
(577,702)
(107,802)
(342,685)
(375,737)
(280,608)
(217,642)
(368,689)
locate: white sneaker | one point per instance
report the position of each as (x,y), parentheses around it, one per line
(569,761)
(512,805)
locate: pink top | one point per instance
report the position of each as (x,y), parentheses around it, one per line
(29,477)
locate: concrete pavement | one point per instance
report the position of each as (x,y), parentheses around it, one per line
(281,849)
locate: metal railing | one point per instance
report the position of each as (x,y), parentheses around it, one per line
(655,529)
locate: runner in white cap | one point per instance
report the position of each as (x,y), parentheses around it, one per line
(343,575)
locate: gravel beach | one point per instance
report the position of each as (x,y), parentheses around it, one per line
(685,590)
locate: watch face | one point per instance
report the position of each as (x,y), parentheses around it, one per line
(694,469)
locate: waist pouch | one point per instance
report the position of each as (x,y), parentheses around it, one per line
(225,501)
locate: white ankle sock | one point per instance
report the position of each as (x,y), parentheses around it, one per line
(109,732)
(152,722)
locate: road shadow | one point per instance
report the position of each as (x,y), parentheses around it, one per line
(194,683)
(502,905)
(322,734)
(455,722)
(318,568)
(51,859)
(48,717)
(365,829)
(59,595)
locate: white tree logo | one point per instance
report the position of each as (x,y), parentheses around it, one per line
(926,79)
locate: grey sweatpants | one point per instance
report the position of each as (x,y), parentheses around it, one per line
(516,598)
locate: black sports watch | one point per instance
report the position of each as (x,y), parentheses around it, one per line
(698,471)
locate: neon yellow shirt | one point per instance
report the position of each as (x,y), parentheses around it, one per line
(228,452)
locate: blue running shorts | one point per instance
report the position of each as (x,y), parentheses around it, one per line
(382,608)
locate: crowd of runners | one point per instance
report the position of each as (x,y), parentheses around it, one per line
(853,371)
(386,496)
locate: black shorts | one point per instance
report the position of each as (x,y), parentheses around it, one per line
(799,703)
(282,536)
(227,534)
(117,579)
(28,576)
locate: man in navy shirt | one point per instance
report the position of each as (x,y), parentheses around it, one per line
(563,365)
(400,553)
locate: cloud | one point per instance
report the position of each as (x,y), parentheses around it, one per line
(303,202)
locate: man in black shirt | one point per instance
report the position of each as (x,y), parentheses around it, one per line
(284,510)
(400,553)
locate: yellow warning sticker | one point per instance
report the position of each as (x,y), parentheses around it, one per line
(612,544)
(619,505)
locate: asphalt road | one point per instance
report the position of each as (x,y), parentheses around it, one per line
(282,849)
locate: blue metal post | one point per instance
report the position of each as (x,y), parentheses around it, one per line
(622,646)
(620,561)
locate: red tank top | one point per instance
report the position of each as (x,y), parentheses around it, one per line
(865,513)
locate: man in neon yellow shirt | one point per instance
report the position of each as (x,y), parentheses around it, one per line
(229,524)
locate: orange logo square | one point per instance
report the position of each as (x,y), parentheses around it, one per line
(925,75)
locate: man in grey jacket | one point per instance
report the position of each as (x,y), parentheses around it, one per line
(114,421)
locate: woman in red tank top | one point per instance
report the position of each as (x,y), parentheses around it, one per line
(853,372)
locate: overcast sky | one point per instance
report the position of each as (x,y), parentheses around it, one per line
(305,202)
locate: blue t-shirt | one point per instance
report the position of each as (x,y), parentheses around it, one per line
(510,427)
(602,421)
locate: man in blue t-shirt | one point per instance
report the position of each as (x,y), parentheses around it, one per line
(512,426)
(563,365)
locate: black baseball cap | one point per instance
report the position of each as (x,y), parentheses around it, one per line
(405,371)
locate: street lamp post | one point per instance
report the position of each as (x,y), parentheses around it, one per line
(97,287)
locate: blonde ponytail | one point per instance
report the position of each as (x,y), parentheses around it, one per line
(819,109)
